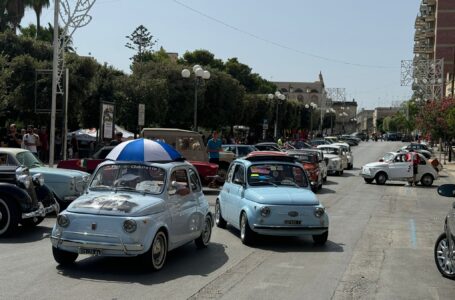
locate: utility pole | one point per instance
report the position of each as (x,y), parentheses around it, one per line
(54,83)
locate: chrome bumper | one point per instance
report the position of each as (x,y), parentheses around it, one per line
(42,211)
(58,241)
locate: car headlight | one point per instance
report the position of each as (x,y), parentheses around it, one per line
(319,212)
(38,179)
(25,180)
(129,226)
(63,220)
(72,183)
(265,211)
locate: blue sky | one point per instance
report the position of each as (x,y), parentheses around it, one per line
(278,39)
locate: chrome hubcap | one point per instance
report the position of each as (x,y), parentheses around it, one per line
(242,227)
(207,231)
(445,261)
(217,212)
(158,250)
(426,180)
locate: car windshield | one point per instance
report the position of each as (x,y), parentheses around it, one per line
(388,157)
(244,150)
(330,151)
(277,174)
(29,160)
(133,177)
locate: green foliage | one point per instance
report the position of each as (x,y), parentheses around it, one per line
(141,41)
(203,58)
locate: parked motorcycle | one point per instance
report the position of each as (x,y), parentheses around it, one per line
(444,249)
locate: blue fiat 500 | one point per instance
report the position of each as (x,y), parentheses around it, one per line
(134,209)
(269,193)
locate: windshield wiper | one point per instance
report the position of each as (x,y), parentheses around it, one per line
(288,182)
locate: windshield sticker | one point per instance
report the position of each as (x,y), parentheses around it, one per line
(109,203)
(260,170)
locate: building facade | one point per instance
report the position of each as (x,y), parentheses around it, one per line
(345,116)
(365,121)
(380,113)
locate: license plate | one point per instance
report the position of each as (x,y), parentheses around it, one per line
(90,251)
(292,222)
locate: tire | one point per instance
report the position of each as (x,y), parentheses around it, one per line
(426,180)
(64,258)
(204,239)
(219,221)
(350,166)
(320,186)
(320,239)
(246,234)
(368,180)
(381,178)
(156,256)
(445,265)
(314,189)
(32,222)
(9,217)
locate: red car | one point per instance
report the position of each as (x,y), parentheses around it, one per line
(310,163)
(207,171)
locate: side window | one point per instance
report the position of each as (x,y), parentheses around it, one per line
(3,159)
(239,174)
(231,173)
(180,176)
(194,179)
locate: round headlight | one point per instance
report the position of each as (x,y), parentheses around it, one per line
(129,226)
(38,179)
(265,211)
(63,220)
(25,180)
(319,212)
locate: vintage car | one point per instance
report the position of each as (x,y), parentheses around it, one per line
(86,164)
(310,162)
(67,185)
(417,146)
(347,149)
(393,166)
(140,209)
(444,247)
(268,193)
(268,146)
(337,159)
(239,150)
(24,199)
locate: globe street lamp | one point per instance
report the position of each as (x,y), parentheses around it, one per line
(331,111)
(199,76)
(279,98)
(343,115)
(312,106)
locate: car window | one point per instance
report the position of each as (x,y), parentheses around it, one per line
(277,174)
(194,179)
(231,173)
(239,174)
(29,160)
(180,176)
(244,151)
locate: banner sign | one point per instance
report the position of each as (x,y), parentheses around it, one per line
(107,119)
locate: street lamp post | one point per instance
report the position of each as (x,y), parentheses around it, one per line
(331,111)
(343,115)
(312,106)
(200,76)
(279,98)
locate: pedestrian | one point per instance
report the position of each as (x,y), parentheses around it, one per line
(118,139)
(31,140)
(214,148)
(13,139)
(74,146)
(414,158)
(44,140)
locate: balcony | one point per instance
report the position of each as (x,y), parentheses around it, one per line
(430,17)
(429,33)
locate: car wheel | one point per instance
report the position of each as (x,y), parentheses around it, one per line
(63,257)
(9,217)
(445,264)
(426,180)
(381,178)
(246,234)
(32,222)
(350,166)
(203,240)
(314,188)
(219,221)
(156,256)
(368,180)
(320,239)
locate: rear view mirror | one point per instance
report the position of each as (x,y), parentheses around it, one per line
(447,190)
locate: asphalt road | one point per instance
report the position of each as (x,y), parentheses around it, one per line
(380,246)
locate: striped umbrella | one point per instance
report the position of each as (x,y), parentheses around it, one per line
(144,150)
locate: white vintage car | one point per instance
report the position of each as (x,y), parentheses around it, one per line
(393,166)
(134,209)
(337,159)
(349,155)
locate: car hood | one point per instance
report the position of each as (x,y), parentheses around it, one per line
(332,156)
(58,172)
(281,195)
(377,165)
(117,204)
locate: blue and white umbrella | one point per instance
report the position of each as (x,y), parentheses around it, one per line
(144,150)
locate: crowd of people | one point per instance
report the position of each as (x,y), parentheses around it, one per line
(31,138)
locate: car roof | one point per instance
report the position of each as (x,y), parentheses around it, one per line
(12,150)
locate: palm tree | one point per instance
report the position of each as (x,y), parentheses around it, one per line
(15,10)
(38,6)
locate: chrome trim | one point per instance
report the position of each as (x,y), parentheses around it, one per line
(279,227)
(41,211)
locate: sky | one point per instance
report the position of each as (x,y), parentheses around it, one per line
(356,44)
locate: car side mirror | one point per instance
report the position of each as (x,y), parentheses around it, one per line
(447,190)
(238,181)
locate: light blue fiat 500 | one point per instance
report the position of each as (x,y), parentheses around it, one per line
(269,193)
(134,209)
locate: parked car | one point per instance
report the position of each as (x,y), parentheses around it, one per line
(323,161)
(425,153)
(24,199)
(268,193)
(310,162)
(445,243)
(334,152)
(239,150)
(86,164)
(317,142)
(349,140)
(393,166)
(140,209)
(360,135)
(67,185)
(347,149)
(302,145)
(268,146)
(417,146)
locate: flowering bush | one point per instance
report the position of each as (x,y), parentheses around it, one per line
(437,118)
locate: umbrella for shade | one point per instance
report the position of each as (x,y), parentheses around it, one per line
(144,150)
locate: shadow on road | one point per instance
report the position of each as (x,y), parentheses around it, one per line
(183,261)
(347,174)
(325,191)
(27,235)
(328,182)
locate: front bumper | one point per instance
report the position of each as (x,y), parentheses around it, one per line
(289,230)
(42,211)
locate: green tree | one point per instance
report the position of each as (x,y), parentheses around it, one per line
(38,6)
(204,58)
(141,41)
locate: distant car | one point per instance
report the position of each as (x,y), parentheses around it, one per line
(238,149)
(130,209)
(310,162)
(268,146)
(417,146)
(393,166)
(323,161)
(269,194)
(333,152)
(317,142)
(347,149)
(67,185)
(302,145)
(391,136)
(24,199)
(445,243)
(361,135)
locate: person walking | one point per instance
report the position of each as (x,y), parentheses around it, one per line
(13,140)
(31,140)
(214,148)
(414,158)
